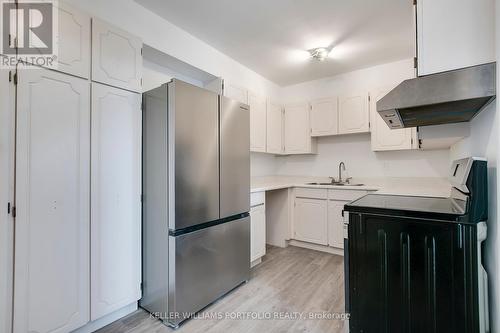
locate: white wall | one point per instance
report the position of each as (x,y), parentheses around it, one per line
(386,75)
(263,164)
(355,149)
(484,142)
(168,38)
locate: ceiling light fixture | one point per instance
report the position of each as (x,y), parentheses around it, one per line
(320,53)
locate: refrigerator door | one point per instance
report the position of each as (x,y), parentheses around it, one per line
(206,264)
(193,132)
(235,157)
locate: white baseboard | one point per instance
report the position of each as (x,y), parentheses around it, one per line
(322,248)
(106,320)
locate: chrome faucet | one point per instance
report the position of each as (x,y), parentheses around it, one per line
(341,167)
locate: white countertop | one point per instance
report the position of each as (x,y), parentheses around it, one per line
(433,187)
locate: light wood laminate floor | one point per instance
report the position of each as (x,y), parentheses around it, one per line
(288,280)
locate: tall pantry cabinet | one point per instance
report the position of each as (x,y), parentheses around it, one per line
(78,180)
(7,138)
(51,289)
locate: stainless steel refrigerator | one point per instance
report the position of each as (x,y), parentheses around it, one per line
(196,199)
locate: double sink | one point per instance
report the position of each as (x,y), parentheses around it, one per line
(335,184)
(340,182)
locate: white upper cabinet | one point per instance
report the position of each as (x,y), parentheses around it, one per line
(298,138)
(235,92)
(382,137)
(52,266)
(258,115)
(73,41)
(453,34)
(73,56)
(116,206)
(324,117)
(354,116)
(116,57)
(275,133)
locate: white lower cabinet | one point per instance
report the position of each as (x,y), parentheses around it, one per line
(258,232)
(115,194)
(310,220)
(317,215)
(52,266)
(257,226)
(336,223)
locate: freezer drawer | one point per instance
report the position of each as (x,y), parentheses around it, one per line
(235,157)
(205,265)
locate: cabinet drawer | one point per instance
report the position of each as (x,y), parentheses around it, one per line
(316,193)
(345,195)
(258,198)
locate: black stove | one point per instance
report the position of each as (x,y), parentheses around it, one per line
(447,209)
(468,202)
(414,263)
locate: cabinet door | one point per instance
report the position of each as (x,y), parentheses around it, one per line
(116,57)
(116,208)
(72,53)
(52,196)
(257,232)
(74,41)
(297,131)
(258,125)
(274,128)
(451,39)
(324,117)
(384,138)
(336,223)
(310,221)
(418,272)
(234,92)
(353,114)
(7,130)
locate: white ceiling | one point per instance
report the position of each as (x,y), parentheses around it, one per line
(270,36)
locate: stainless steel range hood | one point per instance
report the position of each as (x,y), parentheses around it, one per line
(449,97)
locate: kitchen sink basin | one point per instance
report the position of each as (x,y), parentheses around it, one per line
(335,184)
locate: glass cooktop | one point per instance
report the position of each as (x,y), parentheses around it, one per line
(415,204)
